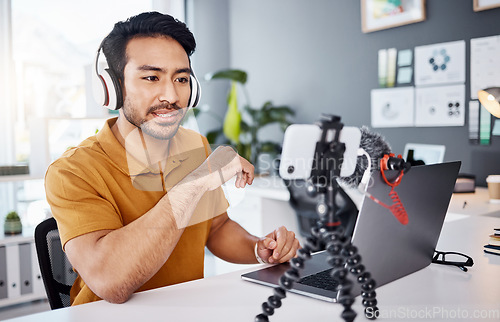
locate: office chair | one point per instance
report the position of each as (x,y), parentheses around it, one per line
(305,208)
(57,273)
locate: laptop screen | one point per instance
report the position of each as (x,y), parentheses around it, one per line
(390,249)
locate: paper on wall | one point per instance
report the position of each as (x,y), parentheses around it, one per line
(474,122)
(442,63)
(496,127)
(404,75)
(484,63)
(391,66)
(382,67)
(405,57)
(440,106)
(392,107)
(484,126)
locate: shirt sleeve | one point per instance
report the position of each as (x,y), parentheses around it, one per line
(76,204)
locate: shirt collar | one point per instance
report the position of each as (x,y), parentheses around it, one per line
(136,163)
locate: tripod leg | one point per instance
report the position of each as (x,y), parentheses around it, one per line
(335,246)
(286,281)
(364,278)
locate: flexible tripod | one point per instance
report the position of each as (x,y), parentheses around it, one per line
(343,255)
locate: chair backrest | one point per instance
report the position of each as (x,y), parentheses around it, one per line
(305,208)
(57,273)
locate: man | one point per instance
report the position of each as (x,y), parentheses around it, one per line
(137,203)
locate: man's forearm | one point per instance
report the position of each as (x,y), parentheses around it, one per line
(231,242)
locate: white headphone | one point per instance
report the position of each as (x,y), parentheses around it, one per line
(108,92)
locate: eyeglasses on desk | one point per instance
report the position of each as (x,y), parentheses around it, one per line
(459,260)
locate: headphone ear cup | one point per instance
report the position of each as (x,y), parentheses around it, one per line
(105,85)
(194,98)
(99,90)
(113,90)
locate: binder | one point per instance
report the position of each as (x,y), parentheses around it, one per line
(3,272)
(13,272)
(25,268)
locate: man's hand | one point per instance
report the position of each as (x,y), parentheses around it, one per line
(278,247)
(220,166)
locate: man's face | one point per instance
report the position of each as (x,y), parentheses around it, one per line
(157,89)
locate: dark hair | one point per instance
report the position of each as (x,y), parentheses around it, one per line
(147,24)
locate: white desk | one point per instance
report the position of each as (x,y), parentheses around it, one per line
(474,203)
(430,293)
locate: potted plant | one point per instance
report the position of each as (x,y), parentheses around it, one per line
(241,126)
(12,224)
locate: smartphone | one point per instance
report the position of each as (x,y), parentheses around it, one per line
(299,145)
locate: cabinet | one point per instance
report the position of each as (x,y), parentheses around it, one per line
(20,278)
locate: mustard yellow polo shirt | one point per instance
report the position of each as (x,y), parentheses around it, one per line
(99,185)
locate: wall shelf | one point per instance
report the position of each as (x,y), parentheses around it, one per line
(21,177)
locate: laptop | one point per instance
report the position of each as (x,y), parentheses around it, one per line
(389,249)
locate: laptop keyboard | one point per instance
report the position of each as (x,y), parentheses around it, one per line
(321,280)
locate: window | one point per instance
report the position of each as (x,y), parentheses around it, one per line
(53,46)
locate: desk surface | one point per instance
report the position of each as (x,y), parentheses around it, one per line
(433,293)
(474,203)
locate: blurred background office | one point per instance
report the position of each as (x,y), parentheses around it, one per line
(309,55)
(314,57)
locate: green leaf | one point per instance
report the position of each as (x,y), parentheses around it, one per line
(245,150)
(282,110)
(196,111)
(213,135)
(244,127)
(270,147)
(253,113)
(235,75)
(265,119)
(284,125)
(232,120)
(267,105)
(12,216)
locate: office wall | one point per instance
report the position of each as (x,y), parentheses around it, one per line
(209,21)
(312,55)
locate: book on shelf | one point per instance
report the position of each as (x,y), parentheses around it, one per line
(494,240)
(490,249)
(12,170)
(493,246)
